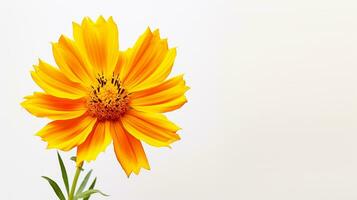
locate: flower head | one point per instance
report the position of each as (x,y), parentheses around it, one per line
(99,94)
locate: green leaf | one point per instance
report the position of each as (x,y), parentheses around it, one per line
(74,158)
(64,172)
(84,182)
(91,187)
(55,187)
(89,192)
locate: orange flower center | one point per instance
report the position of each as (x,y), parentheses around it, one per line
(107,100)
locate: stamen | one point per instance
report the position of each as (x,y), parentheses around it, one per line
(107,101)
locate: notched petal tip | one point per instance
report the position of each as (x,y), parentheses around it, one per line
(100,19)
(187,87)
(39,60)
(53,44)
(40,134)
(156,32)
(111,20)
(24,104)
(49,147)
(87,21)
(148,30)
(75,27)
(128,173)
(35,67)
(62,38)
(87,160)
(136,171)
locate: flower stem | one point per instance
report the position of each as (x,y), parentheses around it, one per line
(75,180)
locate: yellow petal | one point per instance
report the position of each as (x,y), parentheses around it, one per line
(163,97)
(161,73)
(55,83)
(149,61)
(73,61)
(128,150)
(152,128)
(96,142)
(43,105)
(134,53)
(99,41)
(67,134)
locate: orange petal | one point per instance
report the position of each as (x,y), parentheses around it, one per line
(43,105)
(66,134)
(99,41)
(96,142)
(149,61)
(152,128)
(55,83)
(163,97)
(128,150)
(122,59)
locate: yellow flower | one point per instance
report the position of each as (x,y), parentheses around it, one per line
(99,94)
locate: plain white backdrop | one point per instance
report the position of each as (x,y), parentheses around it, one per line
(272,107)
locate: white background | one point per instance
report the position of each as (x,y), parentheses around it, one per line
(271,112)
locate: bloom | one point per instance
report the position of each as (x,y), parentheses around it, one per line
(99,94)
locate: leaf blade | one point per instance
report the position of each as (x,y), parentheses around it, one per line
(55,187)
(91,187)
(84,182)
(90,192)
(74,158)
(64,172)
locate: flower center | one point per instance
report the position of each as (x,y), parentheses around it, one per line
(107,100)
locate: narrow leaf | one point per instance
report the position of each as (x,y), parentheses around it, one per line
(55,187)
(64,172)
(91,187)
(89,192)
(74,158)
(84,182)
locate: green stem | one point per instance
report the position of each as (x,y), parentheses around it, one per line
(75,180)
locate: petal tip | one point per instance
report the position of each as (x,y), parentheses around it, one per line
(24,103)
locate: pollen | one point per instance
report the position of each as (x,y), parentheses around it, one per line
(107,100)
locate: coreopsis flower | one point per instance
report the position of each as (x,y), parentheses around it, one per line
(99,95)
